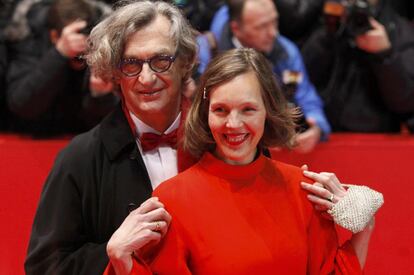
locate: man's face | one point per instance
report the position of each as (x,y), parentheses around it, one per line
(151,95)
(258,25)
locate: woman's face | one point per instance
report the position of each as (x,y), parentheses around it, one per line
(236,119)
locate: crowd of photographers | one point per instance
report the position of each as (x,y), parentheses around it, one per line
(357,56)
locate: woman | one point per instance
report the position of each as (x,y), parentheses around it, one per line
(237,211)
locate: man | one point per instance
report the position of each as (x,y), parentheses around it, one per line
(50,91)
(364,68)
(103,175)
(254,24)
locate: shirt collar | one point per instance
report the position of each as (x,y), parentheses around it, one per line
(277,52)
(141,127)
(236,42)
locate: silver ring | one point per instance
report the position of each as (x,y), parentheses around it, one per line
(331,197)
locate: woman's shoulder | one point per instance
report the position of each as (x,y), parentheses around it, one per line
(292,176)
(182,185)
(287,171)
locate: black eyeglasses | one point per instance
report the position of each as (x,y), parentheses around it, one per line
(158,63)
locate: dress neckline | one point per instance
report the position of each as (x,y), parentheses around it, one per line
(222,169)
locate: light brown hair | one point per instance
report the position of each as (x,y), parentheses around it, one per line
(280,119)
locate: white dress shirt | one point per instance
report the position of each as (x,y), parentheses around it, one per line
(161,162)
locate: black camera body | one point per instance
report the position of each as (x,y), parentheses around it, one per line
(87,30)
(91,23)
(357,18)
(351,16)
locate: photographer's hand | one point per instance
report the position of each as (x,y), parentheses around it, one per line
(71,43)
(375,40)
(98,87)
(307,140)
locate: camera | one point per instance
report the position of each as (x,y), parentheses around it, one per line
(87,30)
(351,16)
(91,23)
(358,17)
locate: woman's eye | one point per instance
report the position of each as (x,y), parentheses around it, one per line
(218,110)
(249,109)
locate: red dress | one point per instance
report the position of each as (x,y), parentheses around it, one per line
(252,219)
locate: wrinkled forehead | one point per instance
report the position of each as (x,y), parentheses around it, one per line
(153,38)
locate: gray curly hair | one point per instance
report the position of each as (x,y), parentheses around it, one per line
(107,40)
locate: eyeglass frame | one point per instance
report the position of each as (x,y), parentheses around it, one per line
(171,59)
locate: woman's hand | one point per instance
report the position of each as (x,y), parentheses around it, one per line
(325,191)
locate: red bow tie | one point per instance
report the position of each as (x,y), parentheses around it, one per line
(150,141)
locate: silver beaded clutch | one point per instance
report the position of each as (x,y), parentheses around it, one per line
(356,209)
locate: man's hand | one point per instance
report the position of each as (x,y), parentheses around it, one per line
(148,223)
(375,40)
(71,43)
(98,87)
(307,140)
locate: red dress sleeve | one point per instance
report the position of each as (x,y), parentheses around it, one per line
(328,254)
(173,256)
(138,268)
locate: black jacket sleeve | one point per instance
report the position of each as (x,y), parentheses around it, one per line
(33,82)
(319,57)
(86,198)
(3,68)
(64,239)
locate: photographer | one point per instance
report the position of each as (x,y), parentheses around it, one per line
(361,62)
(49,89)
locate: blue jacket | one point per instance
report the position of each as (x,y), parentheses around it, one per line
(285,56)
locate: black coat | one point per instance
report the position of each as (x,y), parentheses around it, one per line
(85,199)
(364,92)
(44,94)
(3,67)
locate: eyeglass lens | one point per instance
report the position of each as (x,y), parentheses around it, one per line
(159,64)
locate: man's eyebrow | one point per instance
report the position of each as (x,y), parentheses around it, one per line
(158,52)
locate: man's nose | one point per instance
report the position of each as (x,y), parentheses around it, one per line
(146,77)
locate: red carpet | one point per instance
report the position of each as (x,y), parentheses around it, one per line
(383,162)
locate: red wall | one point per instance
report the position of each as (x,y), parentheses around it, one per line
(383,162)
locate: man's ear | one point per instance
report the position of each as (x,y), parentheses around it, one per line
(187,67)
(54,36)
(235,28)
(116,78)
